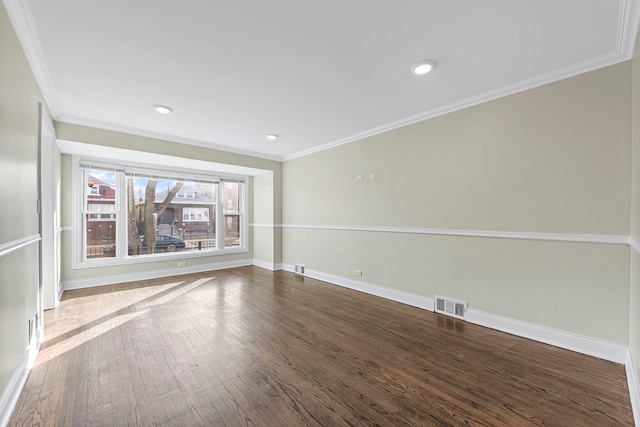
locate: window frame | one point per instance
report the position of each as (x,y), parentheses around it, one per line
(79,196)
(184,208)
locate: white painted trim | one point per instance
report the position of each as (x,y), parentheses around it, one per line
(634,387)
(154,274)
(634,244)
(265,225)
(583,238)
(530,83)
(7,248)
(23,24)
(78,190)
(60,291)
(11,394)
(22,21)
(49,219)
(264,264)
(578,343)
(80,121)
(585,345)
(114,158)
(368,288)
(628,23)
(278,266)
(20,17)
(65,228)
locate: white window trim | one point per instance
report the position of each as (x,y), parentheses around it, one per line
(187,195)
(112,216)
(79,195)
(195,220)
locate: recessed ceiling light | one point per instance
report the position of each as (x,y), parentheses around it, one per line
(272,136)
(423,67)
(163,109)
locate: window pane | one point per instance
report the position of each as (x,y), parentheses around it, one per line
(232,214)
(177,214)
(231,230)
(232,197)
(100,222)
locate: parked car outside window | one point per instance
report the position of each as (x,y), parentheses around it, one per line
(163,244)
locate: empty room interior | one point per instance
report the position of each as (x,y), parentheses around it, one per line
(341,213)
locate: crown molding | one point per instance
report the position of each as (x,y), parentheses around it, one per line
(20,17)
(74,120)
(628,25)
(530,83)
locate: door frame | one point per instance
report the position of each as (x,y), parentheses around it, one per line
(49,214)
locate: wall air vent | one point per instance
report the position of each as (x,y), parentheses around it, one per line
(451,307)
(298,269)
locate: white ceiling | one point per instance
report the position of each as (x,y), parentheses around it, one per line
(316,73)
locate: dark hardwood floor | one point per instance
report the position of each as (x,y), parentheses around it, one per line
(250,347)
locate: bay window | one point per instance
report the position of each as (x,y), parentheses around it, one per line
(135,213)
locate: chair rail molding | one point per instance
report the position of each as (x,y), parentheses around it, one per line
(7,248)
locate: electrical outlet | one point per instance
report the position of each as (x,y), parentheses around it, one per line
(358,273)
(182,263)
(359,178)
(372,176)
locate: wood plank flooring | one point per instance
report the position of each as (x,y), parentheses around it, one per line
(250,347)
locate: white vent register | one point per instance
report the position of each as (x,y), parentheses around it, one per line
(298,269)
(451,307)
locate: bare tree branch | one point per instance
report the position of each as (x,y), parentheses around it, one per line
(132,229)
(152,213)
(167,201)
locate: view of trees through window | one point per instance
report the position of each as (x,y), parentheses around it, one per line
(175,215)
(161,215)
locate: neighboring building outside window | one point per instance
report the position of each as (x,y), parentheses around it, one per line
(99,207)
(181,218)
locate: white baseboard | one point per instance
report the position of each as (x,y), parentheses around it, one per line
(12,393)
(60,291)
(578,343)
(634,387)
(393,295)
(581,344)
(267,265)
(264,264)
(155,274)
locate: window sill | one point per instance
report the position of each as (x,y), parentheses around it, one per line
(113,261)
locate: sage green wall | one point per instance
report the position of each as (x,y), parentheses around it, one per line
(19,270)
(554,159)
(634,306)
(103,137)
(263,215)
(555,284)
